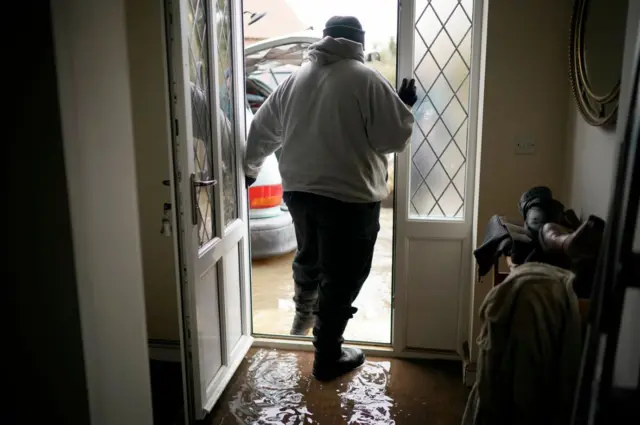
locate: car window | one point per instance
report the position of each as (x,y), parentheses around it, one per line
(251,88)
(259,87)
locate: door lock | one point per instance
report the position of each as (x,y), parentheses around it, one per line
(166,220)
(195,184)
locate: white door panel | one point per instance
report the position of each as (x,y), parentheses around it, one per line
(207,94)
(433,304)
(232,299)
(434,180)
(209,330)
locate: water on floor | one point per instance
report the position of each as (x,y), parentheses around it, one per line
(276,387)
(272,292)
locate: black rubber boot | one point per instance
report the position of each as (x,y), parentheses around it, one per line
(329,368)
(331,359)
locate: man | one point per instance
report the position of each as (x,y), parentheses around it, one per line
(336,121)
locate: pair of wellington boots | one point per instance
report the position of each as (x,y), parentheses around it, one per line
(331,359)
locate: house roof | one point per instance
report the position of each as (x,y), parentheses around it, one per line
(279,20)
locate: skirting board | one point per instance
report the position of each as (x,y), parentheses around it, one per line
(164,350)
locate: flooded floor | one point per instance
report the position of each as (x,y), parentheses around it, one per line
(276,387)
(272,293)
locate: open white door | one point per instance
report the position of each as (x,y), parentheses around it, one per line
(208,131)
(439,46)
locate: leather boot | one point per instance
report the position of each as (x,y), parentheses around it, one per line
(584,243)
(306,300)
(331,359)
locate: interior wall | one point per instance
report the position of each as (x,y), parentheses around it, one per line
(525,98)
(48,351)
(592,154)
(149,103)
(95,104)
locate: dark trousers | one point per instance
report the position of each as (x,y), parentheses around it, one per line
(335,250)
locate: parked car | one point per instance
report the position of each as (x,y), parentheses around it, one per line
(267,64)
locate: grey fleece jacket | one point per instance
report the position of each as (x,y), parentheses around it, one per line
(529,350)
(336,120)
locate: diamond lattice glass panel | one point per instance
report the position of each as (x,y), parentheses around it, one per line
(463,93)
(450,201)
(442,49)
(440,93)
(424,159)
(456,71)
(444,8)
(458,25)
(422,201)
(425,115)
(438,138)
(226,113)
(454,116)
(200,118)
(439,143)
(452,160)
(437,180)
(467,4)
(427,28)
(465,48)
(458,180)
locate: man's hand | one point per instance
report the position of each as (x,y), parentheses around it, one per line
(248,181)
(407,92)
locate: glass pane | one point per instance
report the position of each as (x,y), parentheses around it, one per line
(458,25)
(437,180)
(226,118)
(439,143)
(200,117)
(442,49)
(454,116)
(452,160)
(443,8)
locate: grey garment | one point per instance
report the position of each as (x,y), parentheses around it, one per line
(529,350)
(336,120)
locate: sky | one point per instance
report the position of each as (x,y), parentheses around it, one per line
(378,17)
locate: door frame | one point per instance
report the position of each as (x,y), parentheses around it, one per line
(405,67)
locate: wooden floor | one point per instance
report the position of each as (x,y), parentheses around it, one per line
(275,387)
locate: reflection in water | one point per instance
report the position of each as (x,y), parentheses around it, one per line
(274,393)
(270,394)
(365,402)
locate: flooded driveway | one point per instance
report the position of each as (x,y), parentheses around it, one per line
(272,292)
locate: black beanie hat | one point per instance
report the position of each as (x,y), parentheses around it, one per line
(347,27)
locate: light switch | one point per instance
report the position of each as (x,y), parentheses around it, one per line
(525,146)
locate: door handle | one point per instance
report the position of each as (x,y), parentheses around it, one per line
(195,184)
(204,183)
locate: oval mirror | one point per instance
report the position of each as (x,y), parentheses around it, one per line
(596,50)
